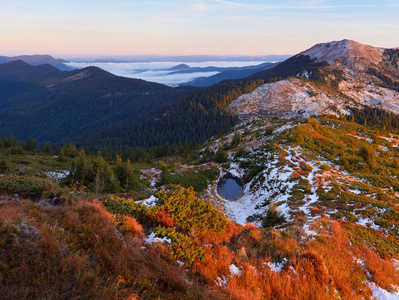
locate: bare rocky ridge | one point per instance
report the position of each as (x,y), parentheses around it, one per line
(346,53)
(370,76)
(291,98)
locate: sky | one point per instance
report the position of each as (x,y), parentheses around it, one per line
(67,28)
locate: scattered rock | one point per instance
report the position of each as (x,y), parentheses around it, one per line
(63,247)
(23,233)
(93,259)
(56,201)
(15,197)
(243,254)
(120,236)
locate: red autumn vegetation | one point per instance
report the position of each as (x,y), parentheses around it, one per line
(82,250)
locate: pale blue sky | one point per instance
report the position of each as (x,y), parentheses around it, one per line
(184,27)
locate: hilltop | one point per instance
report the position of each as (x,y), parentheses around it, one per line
(329,78)
(37,60)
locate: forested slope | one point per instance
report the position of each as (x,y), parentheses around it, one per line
(55,106)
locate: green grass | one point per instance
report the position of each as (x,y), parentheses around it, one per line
(35,163)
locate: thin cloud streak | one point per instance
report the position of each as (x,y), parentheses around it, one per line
(278,7)
(184,27)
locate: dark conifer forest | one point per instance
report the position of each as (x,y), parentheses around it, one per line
(192,120)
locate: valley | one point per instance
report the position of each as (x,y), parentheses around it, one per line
(171,71)
(73,102)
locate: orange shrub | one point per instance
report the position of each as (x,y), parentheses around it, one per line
(134,227)
(383,272)
(164,218)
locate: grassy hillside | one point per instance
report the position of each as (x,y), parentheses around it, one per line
(321,194)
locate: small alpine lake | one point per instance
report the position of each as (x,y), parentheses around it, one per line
(230,187)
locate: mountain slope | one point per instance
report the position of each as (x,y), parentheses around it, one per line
(330,78)
(3,60)
(305,177)
(318,219)
(32,98)
(301,86)
(191,119)
(21,71)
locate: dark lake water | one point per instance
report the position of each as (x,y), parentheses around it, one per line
(230,188)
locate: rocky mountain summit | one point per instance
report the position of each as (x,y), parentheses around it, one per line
(333,78)
(345,52)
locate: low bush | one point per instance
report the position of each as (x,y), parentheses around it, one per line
(30,187)
(220,156)
(197,179)
(211,174)
(269,130)
(190,212)
(384,246)
(182,247)
(189,178)
(305,167)
(272,218)
(16,151)
(5,165)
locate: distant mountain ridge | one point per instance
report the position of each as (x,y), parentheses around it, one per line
(19,70)
(36,60)
(303,85)
(230,74)
(329,78)
(54,105)
(185,59)
(226,73)
(183,68)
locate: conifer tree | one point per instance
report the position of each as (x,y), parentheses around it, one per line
(47,148)
(31,145)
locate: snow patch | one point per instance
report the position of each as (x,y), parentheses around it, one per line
(395,263)
(276,267)
(57,176)
(234,271)
(222,281)
(367,223)
(152,239)
(150,201)
(356,192)
(382,294)
(235,170)
(152,175)
(289,98)
(180,263)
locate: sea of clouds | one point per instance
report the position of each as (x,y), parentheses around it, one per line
(158,71)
